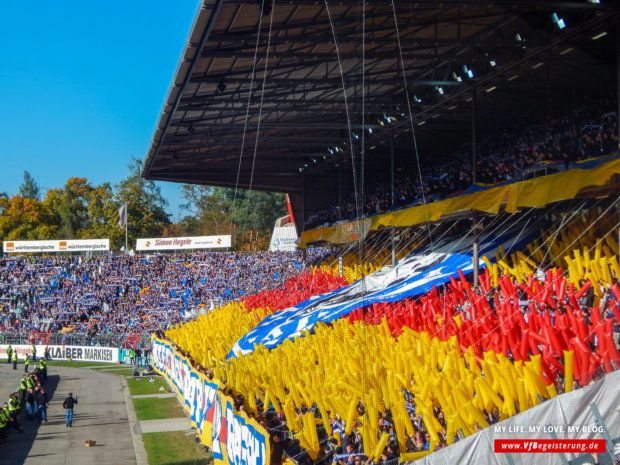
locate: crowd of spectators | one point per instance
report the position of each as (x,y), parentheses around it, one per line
(532,150)
(131,294)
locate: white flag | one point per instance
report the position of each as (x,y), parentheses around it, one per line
(122,216)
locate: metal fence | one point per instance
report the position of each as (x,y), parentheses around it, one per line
(72,339)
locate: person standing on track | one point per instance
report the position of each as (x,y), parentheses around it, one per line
(42,401)
(34,352)
(26,363)
(9,352)
(4,421)
(43,368)
(68,406)
(23,387)
(14,355)
(14,406)
(30,404)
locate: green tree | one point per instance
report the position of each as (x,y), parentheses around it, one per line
(103,216)
(146,207)
(4,202)
(73,208)
(210,206)
(250,215)
(29,189)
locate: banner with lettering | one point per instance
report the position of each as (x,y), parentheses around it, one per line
(183,243)
(56,352)
(233,438)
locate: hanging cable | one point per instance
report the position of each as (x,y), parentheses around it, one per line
(415,142)
(260,114)
(247,115)
(346,109)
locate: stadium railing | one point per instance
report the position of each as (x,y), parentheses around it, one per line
(71,339)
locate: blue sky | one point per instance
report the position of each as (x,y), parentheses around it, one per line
(82,85)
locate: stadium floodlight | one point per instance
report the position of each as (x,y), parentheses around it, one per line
(493,63)
(330,150)
(559,22)
(518,38)
(469,72)
(417,99)
(491,89)
(594,1)
(440,90)
(456,77)
(301,170)
(356,136)
(421,123)
(599,35)
(369,131)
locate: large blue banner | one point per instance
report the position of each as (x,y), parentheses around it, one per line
(416,274)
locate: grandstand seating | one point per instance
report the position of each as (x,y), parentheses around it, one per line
(408,377)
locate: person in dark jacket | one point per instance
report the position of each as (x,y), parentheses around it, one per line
(42,400)
(30,403)
(68,406)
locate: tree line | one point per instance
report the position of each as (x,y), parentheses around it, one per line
(82,210)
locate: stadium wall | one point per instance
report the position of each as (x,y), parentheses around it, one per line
(234,438)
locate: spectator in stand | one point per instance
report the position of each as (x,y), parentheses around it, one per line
(122,294)
(577,135)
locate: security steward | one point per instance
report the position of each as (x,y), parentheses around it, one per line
(43,368)
(23,387)
(26,363)
(9,353)
(14,356)
(4,422)
(34,353)
(14,406)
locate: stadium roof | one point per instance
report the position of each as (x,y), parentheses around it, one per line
(289,75)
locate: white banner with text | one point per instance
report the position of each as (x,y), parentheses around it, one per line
(62,245)
(180,243)
(77,353)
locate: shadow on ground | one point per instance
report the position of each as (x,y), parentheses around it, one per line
(17,447)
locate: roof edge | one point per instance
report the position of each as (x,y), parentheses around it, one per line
(183,73)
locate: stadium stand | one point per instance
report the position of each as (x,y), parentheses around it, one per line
(128,295)
(559,143)
(527,333)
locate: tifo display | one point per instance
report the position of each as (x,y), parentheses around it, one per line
(403,378)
